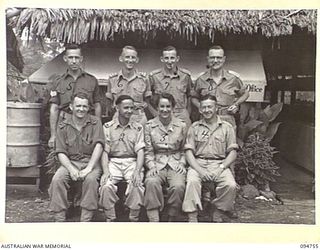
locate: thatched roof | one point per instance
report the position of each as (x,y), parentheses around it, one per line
(83,25)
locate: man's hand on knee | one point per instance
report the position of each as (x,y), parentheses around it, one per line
(136,178)
(74,174)
(84,172)
(205,175)
(104,179)
(153,172)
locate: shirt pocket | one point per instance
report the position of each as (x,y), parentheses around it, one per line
(182,88)
(219,143)
(226,96)
(139,87)
(71,139)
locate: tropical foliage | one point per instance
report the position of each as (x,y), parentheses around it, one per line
(255,163)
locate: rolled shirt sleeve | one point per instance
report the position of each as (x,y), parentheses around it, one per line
(231,140)
(61,146)
(242,87)
(98,135)
(190,140)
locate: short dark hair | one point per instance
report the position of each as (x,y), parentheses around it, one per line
(81,95)
(169,48)
(216,47)
(168,96)
(208,97)
(72,46)
(123,97)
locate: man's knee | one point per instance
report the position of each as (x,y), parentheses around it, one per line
(91,178)
(152,182)
(178,186)
(231,184)
(57,181)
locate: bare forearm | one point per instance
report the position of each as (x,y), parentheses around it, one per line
(54,115)
(242,98)
(95,157)
(65,161)
(105,162)
(192,160)
(140,160)
(232,156)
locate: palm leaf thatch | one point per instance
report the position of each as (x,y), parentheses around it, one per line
(83,25)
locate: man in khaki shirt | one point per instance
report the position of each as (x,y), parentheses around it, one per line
(225,85)
(122,159)
(133,83)
(165,160)
(79,145)
(174,80)
(73,81)
(210,149)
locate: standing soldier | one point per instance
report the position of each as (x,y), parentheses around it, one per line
(122,159)
(79,146)
(225,85)
(130,82)
(165,161)
(210,150)
(74,80)
(174,80)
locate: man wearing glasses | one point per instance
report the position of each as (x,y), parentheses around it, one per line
(225,85)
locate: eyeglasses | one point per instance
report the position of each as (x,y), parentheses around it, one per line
(218,58)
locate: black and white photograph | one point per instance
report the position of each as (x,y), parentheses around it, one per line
(160,116)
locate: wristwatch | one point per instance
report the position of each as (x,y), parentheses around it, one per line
(222,166)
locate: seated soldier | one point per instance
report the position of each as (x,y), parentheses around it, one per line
(164,159)
(79,144)
(122,159)
(210,150)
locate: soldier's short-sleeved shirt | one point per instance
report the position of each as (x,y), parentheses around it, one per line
(77,144)
(179,85)
(66,86)
(230,88)
(165,145)
(123,141)
(211,143)
(138,87)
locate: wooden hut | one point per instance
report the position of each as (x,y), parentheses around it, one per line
(282,42)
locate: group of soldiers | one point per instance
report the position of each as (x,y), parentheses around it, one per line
(166,150)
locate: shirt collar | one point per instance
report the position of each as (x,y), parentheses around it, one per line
(117,123)
(67,73)
(68,120)
(174,123)
(165,73)
(120,75)
(203,122)
(225,75)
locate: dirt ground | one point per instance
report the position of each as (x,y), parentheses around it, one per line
(294,186)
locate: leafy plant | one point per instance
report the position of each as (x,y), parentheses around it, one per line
(255,163)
